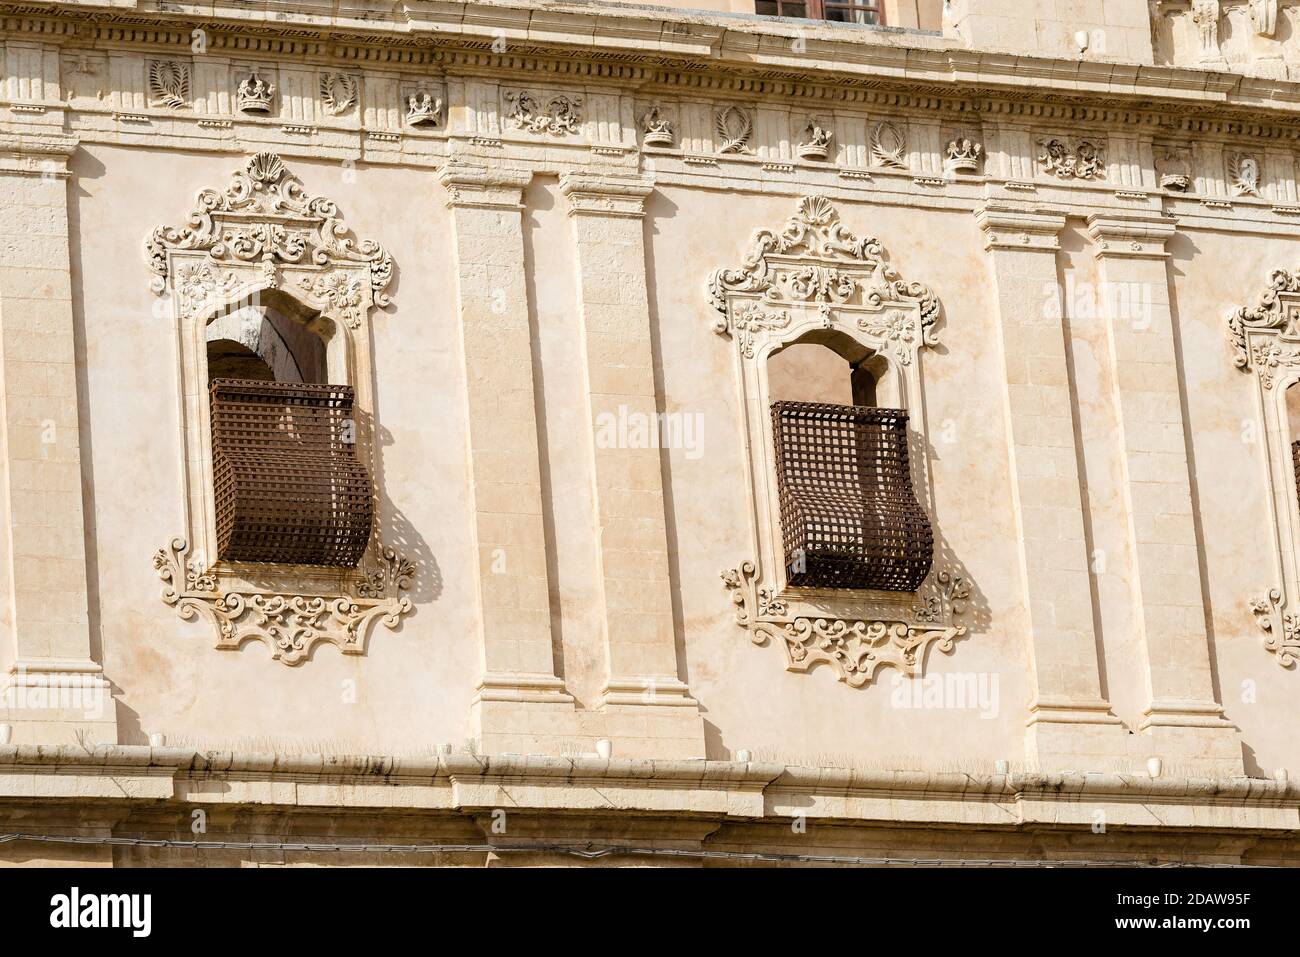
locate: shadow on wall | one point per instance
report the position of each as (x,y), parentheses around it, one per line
(394,529)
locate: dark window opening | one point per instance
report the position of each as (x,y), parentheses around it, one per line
(868,12)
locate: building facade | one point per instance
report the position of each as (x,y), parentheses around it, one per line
(431,431)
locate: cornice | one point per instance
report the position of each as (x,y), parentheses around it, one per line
(470,184)
(1131,237)
(665,47)
(1009,227)
(460,782)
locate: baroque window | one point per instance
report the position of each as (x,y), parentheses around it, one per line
(271,297)
(1265,340)
(864,11)
(827,341)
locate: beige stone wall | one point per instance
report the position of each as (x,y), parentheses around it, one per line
(1100,463)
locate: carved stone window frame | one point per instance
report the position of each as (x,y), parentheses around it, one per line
(262,239)
(811,277)
(1265,340)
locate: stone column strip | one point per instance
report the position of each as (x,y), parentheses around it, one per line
(607,213)
(55,692)
(1182,713)
(1069,719)
(515,633)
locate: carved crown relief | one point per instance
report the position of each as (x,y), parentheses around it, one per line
(809,276)
(1265,340)
(259,234)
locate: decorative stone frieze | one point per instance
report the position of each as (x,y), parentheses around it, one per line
(556,114)
(1071,158)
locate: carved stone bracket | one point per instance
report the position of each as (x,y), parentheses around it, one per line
(856,648)
(289,623)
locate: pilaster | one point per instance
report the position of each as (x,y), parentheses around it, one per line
(1183,721)
(1070,724)
(607,215)
(54,692)
(520,704)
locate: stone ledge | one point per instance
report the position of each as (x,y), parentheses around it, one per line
(723,790)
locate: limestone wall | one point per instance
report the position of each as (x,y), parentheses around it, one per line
(1100,462)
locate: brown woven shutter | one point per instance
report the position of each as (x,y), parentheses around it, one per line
(849,515)
(289,489)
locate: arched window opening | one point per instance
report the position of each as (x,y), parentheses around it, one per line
(849,514)
(264,343)
(287,483)
(830,367)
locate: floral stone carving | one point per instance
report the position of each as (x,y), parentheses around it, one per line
(265,219)
(855,648)
(1265,339)
(833,267)
(290,624)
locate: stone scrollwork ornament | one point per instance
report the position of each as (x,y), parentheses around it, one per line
(796,283)
(855,648)
(1265,340)
(265,218)
(289,624)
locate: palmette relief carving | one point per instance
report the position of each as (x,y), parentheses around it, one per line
(734,128)
(290,624)
(1243,174)
(854,648)
(1068,158)
(559,114)
(338,92)
(169,84)
(888,145)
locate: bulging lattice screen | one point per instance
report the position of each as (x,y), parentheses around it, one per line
(289,487)
(849,515)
